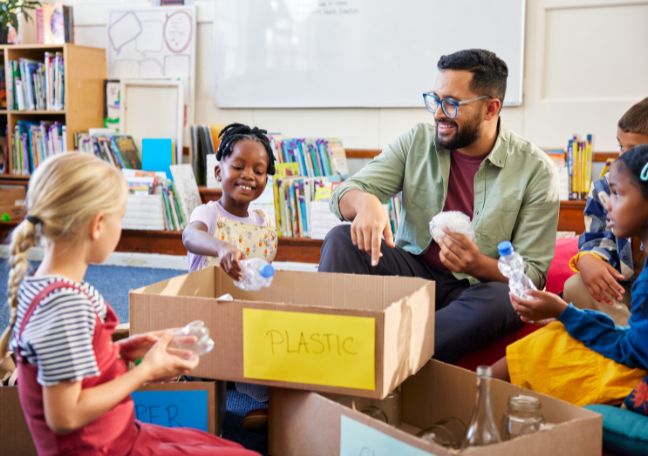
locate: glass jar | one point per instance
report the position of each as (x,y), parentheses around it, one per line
(387,409)
(448,432)
(522,416)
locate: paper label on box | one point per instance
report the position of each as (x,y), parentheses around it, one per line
(358,439)
(320,349)
(173,408)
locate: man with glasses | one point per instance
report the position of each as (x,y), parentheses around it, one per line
(469,162)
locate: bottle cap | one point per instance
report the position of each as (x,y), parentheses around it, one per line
(267,271)
(505,248)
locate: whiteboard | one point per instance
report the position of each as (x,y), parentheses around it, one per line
(354,53)
(153,43)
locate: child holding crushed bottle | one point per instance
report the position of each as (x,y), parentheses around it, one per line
(74,384)
(224,232)
(583,357)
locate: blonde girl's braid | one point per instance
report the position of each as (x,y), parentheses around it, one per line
(65,192)
(22,239)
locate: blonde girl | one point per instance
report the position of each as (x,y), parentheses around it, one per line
(73,381)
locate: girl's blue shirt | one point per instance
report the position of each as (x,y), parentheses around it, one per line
(624,344)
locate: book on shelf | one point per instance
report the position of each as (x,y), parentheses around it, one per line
(579,166)
(186,188)
(4,151)
(54,24)
(314,156)
(152,203)
(33,142)
(3,88)
(204,141)
(115,148)
(35,85)
(293,195)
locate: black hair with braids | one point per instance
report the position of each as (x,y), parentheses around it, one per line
(236,132)
(635,162)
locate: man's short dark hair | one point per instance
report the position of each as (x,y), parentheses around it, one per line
(635,119)
(489,71)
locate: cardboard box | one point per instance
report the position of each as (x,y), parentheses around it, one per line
(164,407)
(342,333)
(14,434)
(309,423)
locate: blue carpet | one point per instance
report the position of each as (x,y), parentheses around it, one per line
(114,283)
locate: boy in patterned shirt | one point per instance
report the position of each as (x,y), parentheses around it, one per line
(604,262)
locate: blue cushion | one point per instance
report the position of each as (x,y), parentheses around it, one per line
(624,432)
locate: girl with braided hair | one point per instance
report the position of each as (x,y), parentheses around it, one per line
(224,232)
(73,382)
(583,357)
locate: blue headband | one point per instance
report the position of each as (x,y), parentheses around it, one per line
(644,173)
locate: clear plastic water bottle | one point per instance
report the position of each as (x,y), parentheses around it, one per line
(257,273)
(511,265)
(203,343)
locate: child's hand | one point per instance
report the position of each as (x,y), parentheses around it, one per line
(540,306)
(162,362)
(136,346)
(600,279)
(230,262)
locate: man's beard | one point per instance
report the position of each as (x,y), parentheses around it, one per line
(464,136)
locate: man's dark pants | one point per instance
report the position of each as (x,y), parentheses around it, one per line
(467,317)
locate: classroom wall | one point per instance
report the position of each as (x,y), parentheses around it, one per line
(586,62)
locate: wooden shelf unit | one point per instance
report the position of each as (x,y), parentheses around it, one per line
(84,75)
(304,250)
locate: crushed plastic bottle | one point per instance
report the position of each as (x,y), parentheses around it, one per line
(257,273)
(511,264)
(203,344)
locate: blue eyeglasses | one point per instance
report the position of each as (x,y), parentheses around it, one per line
(449,106)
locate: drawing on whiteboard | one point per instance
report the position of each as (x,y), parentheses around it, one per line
(153,43)
(123,31)
(178,31)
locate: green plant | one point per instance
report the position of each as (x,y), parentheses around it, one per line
(11,9)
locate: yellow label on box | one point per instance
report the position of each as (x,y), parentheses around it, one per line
(321,349)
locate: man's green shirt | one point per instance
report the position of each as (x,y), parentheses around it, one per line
(515,195)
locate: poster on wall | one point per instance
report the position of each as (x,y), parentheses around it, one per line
(154,43)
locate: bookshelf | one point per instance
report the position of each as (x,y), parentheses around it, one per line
(84,74)
(303,250)
(290,249)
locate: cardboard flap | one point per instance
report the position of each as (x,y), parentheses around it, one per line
(326,290)
(408,340)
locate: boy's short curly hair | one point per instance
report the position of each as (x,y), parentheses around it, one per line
(635,119)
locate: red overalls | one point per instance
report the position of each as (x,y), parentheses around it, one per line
(116,432)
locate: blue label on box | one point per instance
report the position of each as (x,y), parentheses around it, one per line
(173,408)
(357,439)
